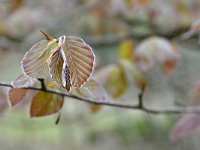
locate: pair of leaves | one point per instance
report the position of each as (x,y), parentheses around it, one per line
(68,60)
(42,103)
(156,50)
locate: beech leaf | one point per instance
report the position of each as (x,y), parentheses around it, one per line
(44,104)
(79,58)
(116,82)
(91,90)
(34,62)
(17,93)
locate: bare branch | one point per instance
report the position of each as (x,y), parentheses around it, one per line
(170,110)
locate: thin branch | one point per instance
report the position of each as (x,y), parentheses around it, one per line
(170,110)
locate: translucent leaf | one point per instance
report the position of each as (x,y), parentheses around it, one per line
(133,74)
(59,69)
(17,94)
(116,82)
(23,81)
(91,90)
(79,57)
(44,104)
(185,125)
(34,62)
(156,50)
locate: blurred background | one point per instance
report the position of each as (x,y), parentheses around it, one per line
(106,25)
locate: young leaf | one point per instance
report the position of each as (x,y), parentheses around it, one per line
(34,62)
(17,94)
(23,81)
(58,69)
(156,50)
(44,104)
(93,91)
(116,82)
(133,74)
(79,57)
(185,125)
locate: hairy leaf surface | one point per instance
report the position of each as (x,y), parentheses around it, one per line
(79,57)
(34,62)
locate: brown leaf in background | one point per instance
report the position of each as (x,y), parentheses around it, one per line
(16,95)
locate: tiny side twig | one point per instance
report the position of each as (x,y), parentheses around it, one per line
(43,86)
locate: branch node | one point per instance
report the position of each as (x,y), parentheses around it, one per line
(43,86)
(140,97)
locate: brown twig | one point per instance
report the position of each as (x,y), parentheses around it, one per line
(170,110)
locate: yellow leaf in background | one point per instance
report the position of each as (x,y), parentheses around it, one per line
(134,74)
(116,82)
(44,104)
(126,49)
